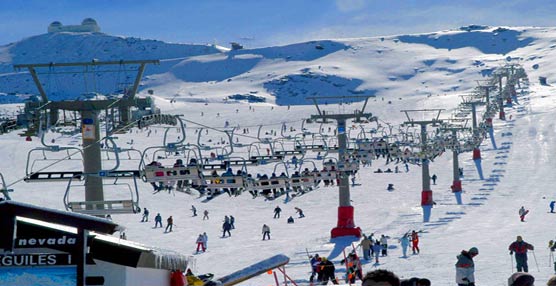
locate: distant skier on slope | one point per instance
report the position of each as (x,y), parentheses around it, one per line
(522,213)
(552,203)
(415,242)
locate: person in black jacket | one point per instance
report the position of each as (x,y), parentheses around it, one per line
(328,271)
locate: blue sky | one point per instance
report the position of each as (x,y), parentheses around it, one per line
(257,23)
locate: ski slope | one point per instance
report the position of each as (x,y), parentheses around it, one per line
(518,173)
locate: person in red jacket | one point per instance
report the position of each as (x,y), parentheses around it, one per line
(520,248)
(415,242)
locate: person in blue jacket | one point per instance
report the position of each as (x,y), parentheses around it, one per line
(465,267)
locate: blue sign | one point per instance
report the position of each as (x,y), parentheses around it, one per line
(102,174)
(88,121)
(341,129)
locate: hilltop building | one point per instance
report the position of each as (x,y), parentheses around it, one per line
(89,25)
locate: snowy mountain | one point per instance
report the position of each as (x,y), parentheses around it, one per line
(434,63)
(405,72)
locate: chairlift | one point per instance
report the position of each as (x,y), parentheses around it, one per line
(34,173)
(120,202)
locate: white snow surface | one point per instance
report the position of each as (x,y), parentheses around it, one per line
(518,173)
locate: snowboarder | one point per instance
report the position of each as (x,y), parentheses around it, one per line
(552,206)
(465,267)
(366,247)
(404,241)
(145,215)
(266,231)
(158,220)
(522,213)
(194,210)
(277,211)
(201,243)
(205,214)
(415,242)
(520,248)
(434,177)
(170,224)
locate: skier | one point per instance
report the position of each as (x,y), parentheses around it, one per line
(522,213)
(404,241)
(200,243)
(384,244)
(194,210)
(434,177)
(552,206)
(520,248)
(170,223)
(290,219)
(353,265)
(266,231)
(465,267)
(415,242)
(232,221)
(366,247)
(315,261)
(277,211)
(328,271)
(226,228)
(390,187)
(205,240)
(300,212)
(158,220)
(145,215)
(205,214)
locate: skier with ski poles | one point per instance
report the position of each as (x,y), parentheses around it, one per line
(520,248)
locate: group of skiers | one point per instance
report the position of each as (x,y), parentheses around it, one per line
(158,220)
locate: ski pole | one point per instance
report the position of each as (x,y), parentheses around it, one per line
(512,262)
(535,257)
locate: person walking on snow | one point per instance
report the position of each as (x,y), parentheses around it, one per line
(415,242)
(158,220)
(552,206)
(522,213)
(266,231)
(145,215)
(520,248)
(277,211)
(232,221)
(200,243)
(366,247)
(376,249)
(205,214)
(194,210)
(404,241)
(465,267)
(384,244)
(434,177)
